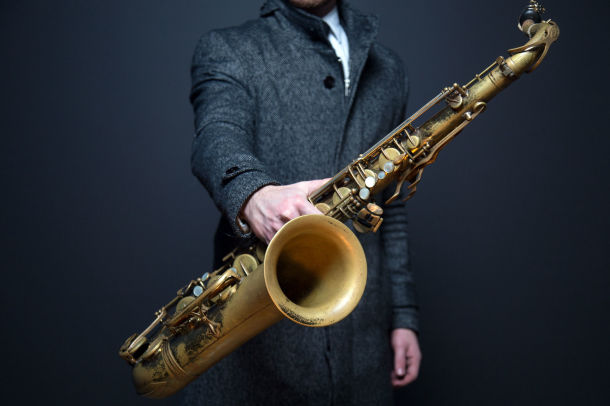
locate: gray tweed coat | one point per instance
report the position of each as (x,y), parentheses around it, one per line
(270,108)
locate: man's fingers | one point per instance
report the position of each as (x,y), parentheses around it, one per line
(308,208)
(310,187)
(262,234)
(413,363)
(268,209)
(313,185)
(400,361)
(398,381)
(266,231)
(410,376)
(407,356)
(287,215)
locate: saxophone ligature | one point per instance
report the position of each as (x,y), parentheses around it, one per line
(314,270)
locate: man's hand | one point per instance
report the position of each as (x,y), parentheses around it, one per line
(407,357)
(271,207)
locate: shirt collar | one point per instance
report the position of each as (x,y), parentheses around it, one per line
(332,19)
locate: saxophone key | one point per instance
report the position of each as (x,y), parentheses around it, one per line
(364,193)
(245,263)
(361,181)
(323,207)
(389,167)
(387,155)
(340,195)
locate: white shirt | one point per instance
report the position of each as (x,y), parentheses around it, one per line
(338,40)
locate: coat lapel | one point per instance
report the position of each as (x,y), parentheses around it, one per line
(361,32)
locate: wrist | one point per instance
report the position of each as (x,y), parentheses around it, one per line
(243,219)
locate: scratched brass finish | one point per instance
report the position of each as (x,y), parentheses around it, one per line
(314,273)
(314,270)
(410,147)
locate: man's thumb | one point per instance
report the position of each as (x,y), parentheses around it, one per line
(400,361)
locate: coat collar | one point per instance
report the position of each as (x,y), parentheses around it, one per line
(359,27)
(361,31)
(310,24)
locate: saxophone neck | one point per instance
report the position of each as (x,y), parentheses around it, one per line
(542,34)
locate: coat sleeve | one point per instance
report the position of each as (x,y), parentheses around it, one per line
(396,263)
(223,154)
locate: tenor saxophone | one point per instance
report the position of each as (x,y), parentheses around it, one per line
(314,270)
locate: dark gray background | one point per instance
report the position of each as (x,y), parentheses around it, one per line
(102,220)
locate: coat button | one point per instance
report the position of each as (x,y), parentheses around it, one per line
(231,170)
(329,82)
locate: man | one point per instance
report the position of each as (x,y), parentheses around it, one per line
(292,96)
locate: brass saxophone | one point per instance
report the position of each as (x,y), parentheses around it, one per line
(314,270)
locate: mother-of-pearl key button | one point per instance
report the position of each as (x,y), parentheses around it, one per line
(388,167)
(364,193)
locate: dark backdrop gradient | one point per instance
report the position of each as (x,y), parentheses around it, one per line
(102,220)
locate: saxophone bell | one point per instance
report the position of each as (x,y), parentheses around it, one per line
(313,273)
(315,270)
